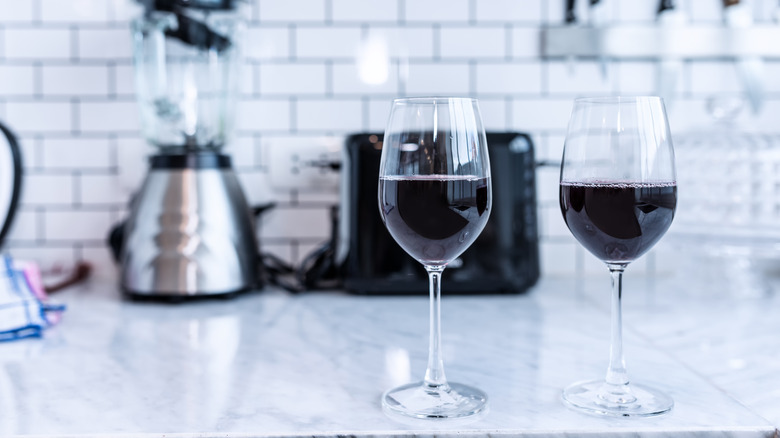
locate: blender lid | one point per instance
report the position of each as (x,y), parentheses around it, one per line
(170,5)
(192,30)
(198,34)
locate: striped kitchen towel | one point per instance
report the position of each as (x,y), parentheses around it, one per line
(23,313)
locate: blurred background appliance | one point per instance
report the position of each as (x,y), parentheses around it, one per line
(737,14)
(304,78)
(670,16)
(505,258)
(10,179)
(190,231)
(729,201)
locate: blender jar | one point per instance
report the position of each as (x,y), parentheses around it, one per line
(187,64)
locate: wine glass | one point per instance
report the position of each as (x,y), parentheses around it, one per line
(618,194)
(435,198)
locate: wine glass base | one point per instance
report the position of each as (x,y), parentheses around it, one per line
(418,400)
(632,400)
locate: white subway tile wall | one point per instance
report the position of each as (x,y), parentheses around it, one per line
(526,42)
(17,80)
(77,153)
(264,115)
(508,78)
(473,42)
(83,11)
(37,43)
(494,114)
(638,77)
(509,11)
(327,42)
(324,115)
(438,78)
(19,12)
(405,42)
(52,189)
(365,10)
(313,67)
(587,78)
(280,10)
(437,11)
(75,80)
(267,42)
(109,44)
(117,116)
(347,80)
(293,78)
(41,116)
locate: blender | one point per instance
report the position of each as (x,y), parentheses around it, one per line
(190,231)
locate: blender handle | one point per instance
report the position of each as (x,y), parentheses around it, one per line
(16,188)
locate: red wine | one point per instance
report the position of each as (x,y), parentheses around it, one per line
(434,217)
(618,222)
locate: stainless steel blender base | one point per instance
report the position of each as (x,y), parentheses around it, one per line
(177,298)
(190,231)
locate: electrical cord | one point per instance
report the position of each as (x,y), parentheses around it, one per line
(318,270)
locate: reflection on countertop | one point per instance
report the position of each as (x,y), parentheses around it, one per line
(270,364)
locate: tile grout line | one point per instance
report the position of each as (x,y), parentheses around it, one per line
(472,73)
(508,35)
(76,189)
(38,80)
(74,44)
(436,42)
(113,153)
(40,150)
(37,12)
(112,80)
(40,225)
(75,119)
(328,12)
(328,78)
(292,35)
(366,113)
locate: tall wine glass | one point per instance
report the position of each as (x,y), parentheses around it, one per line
(618,194)
(435,198)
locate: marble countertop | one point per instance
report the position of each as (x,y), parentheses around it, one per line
(272,364)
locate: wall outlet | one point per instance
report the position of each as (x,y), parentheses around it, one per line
(300,162)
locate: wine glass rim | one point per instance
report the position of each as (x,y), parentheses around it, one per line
(433,99)
(616,99)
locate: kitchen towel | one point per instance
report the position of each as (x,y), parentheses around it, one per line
(23,311)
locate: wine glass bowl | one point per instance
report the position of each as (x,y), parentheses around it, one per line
(618,221)
(434,218)
(618,194)
(434,198)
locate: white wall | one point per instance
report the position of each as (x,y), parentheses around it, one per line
(66,88)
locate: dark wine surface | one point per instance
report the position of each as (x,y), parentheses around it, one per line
(618,222)
(434,217)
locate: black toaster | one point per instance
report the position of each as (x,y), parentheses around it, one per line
(504,259)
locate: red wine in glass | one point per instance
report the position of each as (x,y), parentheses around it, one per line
(434,217)
(618,221)
(435,198)
(618,194)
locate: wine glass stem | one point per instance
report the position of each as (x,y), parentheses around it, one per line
(616,373)
(434,375)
